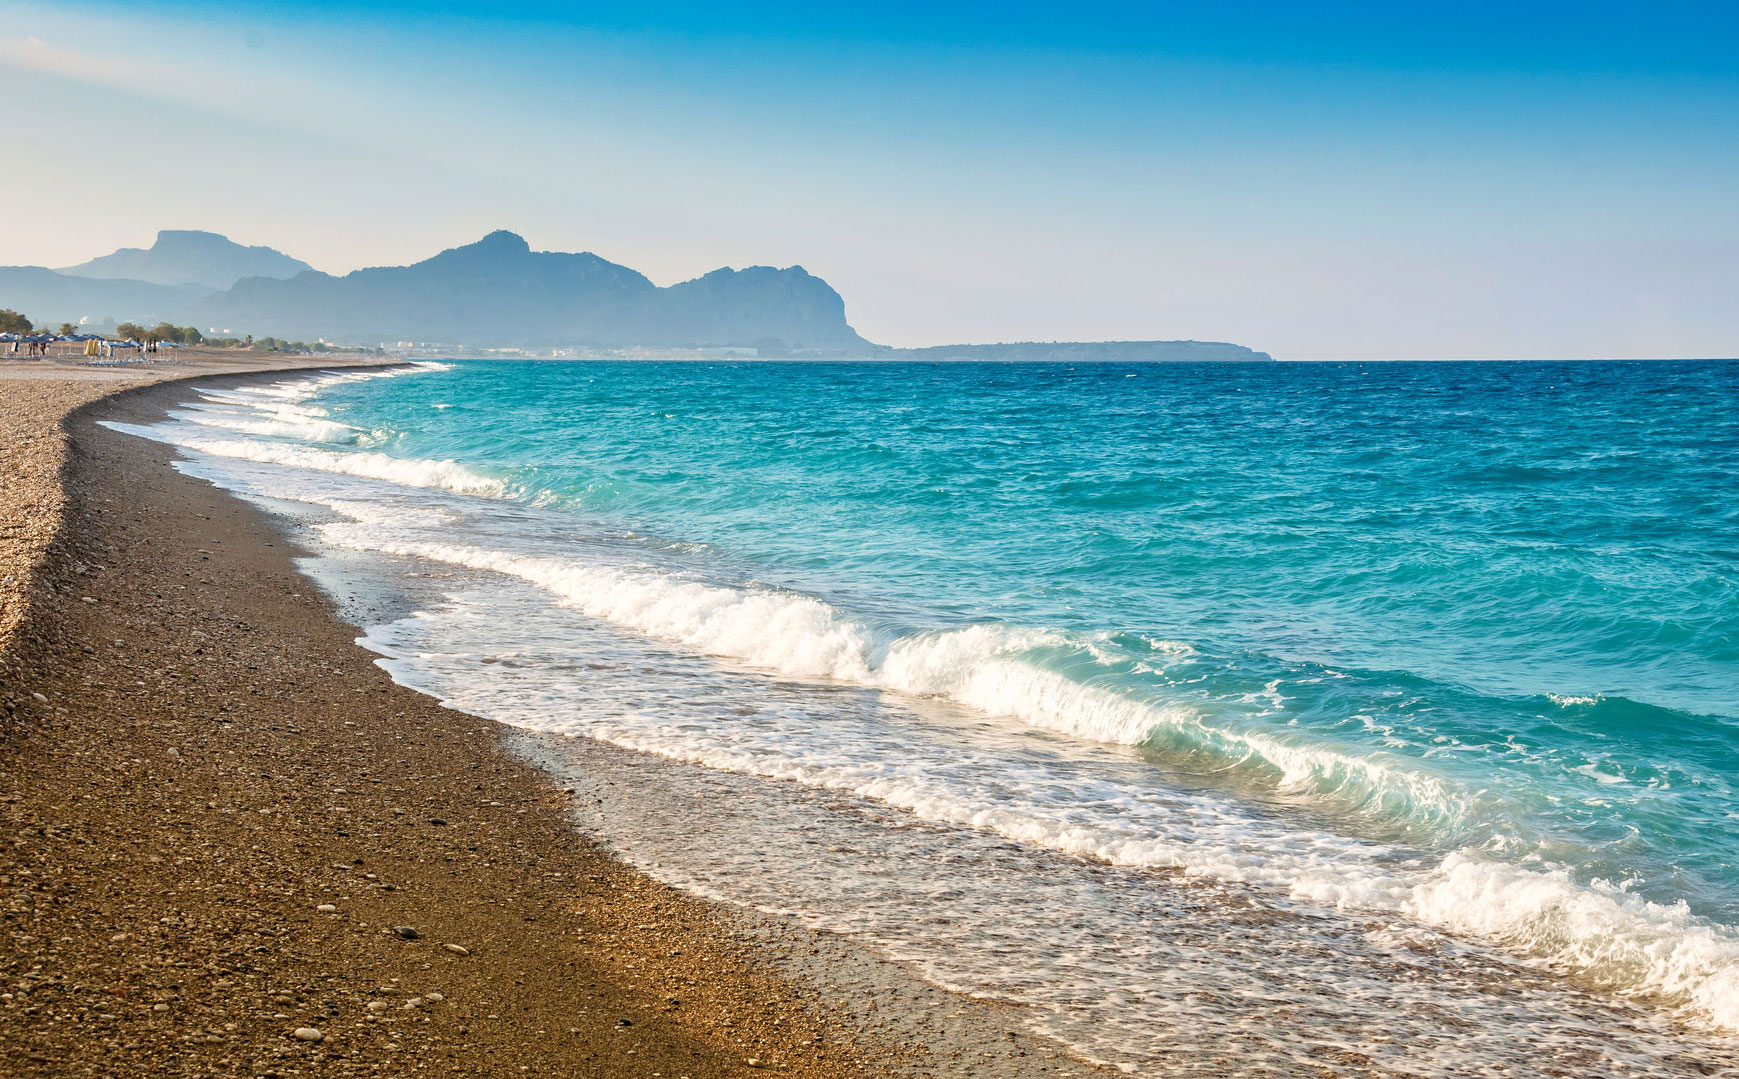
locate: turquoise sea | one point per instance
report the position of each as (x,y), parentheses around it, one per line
(1387,710)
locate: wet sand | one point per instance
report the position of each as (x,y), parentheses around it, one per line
(222,825)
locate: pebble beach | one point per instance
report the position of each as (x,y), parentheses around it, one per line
(234,847)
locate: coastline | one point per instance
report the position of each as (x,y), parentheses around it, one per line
(214,758)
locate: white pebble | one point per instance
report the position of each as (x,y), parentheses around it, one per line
(308,1034)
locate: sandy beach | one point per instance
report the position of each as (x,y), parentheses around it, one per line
(235,847)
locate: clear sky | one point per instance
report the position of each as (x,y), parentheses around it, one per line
(1319,180)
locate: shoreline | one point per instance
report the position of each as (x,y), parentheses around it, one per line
(180,824)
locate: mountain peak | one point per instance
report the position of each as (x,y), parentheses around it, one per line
(503,240)
(498,248)
(174,236)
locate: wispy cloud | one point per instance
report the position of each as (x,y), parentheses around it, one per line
(141,76)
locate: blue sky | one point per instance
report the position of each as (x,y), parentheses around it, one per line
(1317,180)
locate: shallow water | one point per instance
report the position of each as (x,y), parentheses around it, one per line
(1376,717)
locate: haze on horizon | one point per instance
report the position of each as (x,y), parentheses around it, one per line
(1340,180)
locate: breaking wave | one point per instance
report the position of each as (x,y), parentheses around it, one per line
(1596,932)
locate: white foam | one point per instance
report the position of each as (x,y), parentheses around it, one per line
(978,666)
(407,472)
(1611,939)
(278,410)
(278,424)
(1603,934)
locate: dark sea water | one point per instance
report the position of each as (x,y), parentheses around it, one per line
(1377,718)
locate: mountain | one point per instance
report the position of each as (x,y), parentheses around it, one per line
(760,306)
(49,298)
(1088,352)
(190,257)
(493,293)
(498,291)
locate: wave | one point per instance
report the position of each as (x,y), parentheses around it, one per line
(288,392)
(984,667)
(987,667)
(275,424)
(1603,935)
(278,410)
(1598,932)
(445,475)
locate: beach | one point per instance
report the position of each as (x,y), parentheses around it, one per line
(237,847)
(628,719)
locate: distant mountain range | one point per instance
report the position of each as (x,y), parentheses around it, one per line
(496,292)
(190,257)
(499,291)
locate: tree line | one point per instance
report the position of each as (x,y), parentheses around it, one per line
(163,331)
(13,322)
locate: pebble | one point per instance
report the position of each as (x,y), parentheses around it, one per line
(308,1034)
(159,1007)
(377,1006)
(456,949)
(434,998)
(405,931)
(327,908)
(40,698)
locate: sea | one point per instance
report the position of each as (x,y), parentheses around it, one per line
(1259,719)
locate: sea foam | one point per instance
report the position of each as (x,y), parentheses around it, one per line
(407,472)
(1612,940)
(1600,933)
